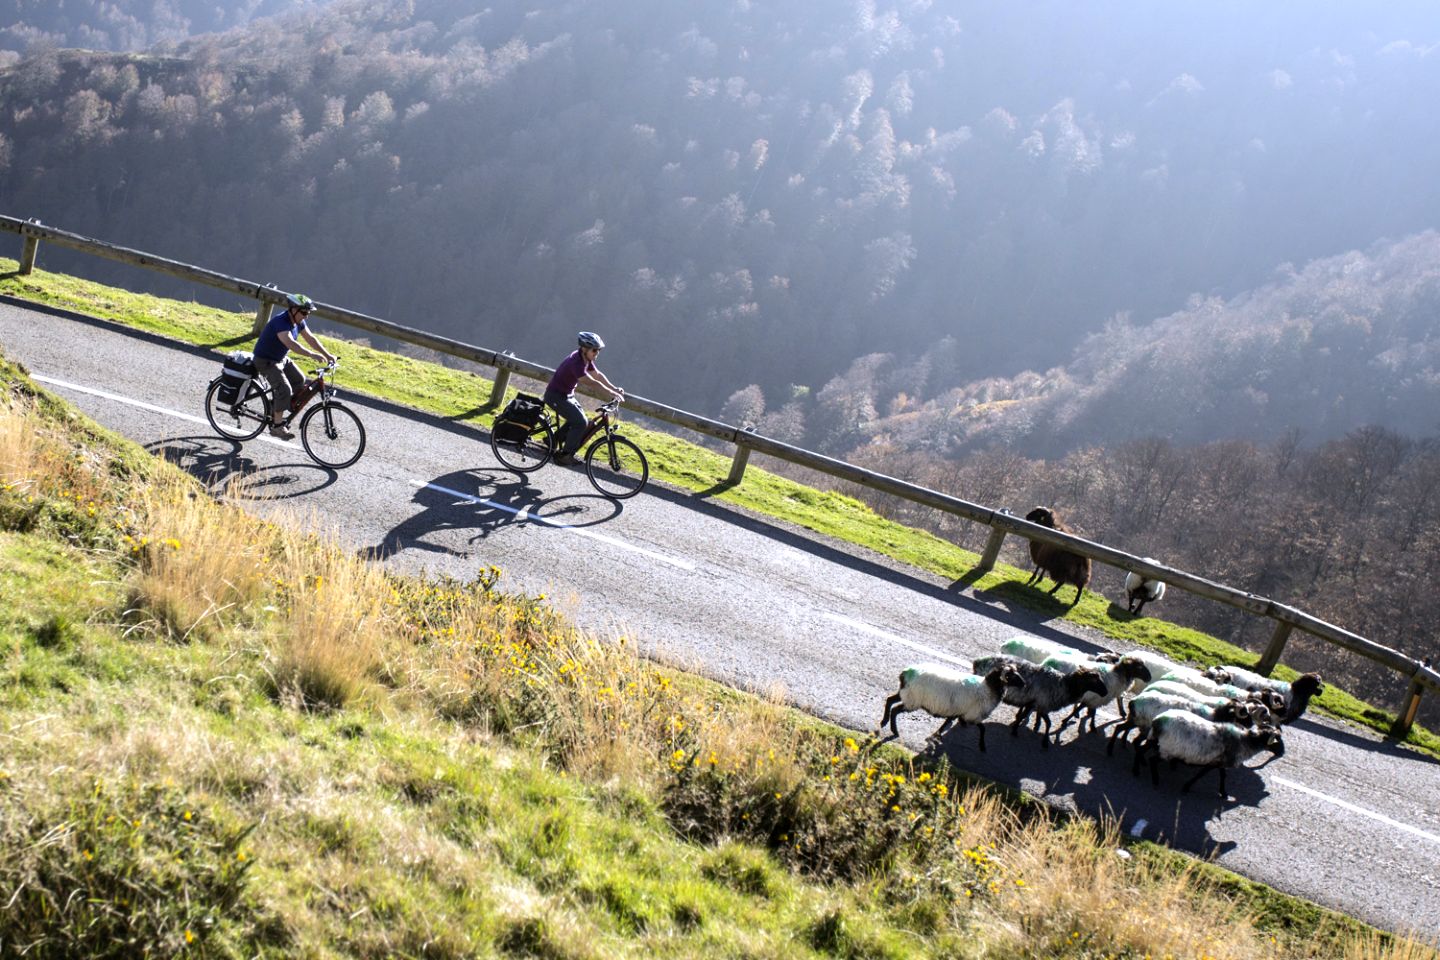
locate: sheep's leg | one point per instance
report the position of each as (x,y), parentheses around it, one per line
(1045,740)
(980,728)
(1123,727)
(1141,747)
(893,709)
(949,721)
(1079,592)
(1066,722)
(1154,768)
(1138,607)
(1020,717)
(1204,770)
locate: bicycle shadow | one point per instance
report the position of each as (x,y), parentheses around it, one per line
(482,501)
(225,469)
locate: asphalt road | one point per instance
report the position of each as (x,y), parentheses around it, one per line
(1343,818)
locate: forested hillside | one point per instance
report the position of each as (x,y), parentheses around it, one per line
(26,25)
(772,194)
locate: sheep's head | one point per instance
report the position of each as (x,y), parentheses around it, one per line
(1006,675)
(1086,680)
(1273,700)
(1133,668)
(1242,712)
(1219,675)
(1273,741)
(1044,516)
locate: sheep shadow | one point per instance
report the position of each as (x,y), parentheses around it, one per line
(1076,776)
(1017,597)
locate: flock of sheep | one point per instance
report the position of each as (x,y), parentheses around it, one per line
(1215,719)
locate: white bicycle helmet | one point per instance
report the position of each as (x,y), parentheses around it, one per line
(591,341)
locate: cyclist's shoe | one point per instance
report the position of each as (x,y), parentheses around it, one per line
(281,432)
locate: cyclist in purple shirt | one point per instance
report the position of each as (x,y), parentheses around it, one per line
(560,392)
(272,360)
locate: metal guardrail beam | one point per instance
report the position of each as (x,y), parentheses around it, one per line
(1001,522)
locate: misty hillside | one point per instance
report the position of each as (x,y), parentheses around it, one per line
(26,25)
(1326,349)
(753,200)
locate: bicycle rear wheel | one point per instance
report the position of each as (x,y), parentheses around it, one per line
(333,435)
(617,467)
(240,421)
(531,452)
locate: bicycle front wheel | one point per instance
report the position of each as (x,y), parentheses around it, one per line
(530,452)
(333,435)
(239,421)
(617,467)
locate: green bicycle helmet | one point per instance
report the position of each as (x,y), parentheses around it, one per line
(300,302)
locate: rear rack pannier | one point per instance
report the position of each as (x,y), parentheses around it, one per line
(518,418)
(235,376)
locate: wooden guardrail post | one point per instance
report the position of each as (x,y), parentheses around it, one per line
(1276,647)
(740,460)
(1401,728)
(992,547)
(502,383)
(262,313)
(27,255)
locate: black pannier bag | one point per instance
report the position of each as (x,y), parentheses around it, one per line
(518,418)
(235,376)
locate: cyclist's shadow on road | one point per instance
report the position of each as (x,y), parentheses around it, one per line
(483,501)
(224,468)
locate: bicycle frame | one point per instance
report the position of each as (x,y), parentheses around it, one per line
(600,421)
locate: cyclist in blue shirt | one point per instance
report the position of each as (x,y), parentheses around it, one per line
(560,392)
(272,356)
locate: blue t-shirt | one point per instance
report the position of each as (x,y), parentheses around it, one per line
(269,345)
(568,374)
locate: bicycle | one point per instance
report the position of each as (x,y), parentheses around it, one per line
(332,434)
(616,466)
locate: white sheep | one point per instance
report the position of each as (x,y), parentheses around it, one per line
(1267,701)
(1152,702)
(943,691)
(1199,682)
(1034,649)
(1183,737)
(1157,665)
(1139,591)
(1296,696)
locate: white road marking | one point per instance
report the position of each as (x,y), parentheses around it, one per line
(523,513)
(893,638)
(1381,818)
(188,417)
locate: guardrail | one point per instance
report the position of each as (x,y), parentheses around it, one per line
(1001,522)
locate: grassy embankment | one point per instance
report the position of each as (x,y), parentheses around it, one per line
(456,394)
(230,738)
